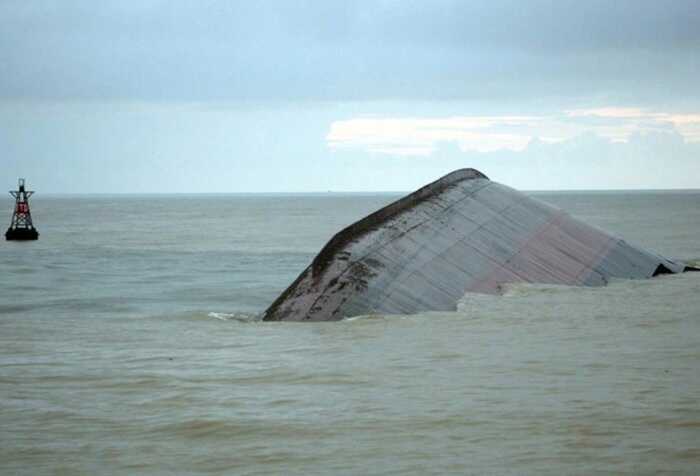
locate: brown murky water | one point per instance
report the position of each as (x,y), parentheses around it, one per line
(132,348)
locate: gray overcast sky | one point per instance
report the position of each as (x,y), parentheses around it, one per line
(175,96)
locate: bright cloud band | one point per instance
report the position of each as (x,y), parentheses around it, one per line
(418,136)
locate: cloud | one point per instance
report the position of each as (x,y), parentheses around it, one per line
(616,112)
(638,119)
(586,162)
(420,136)
(146,147)
(336,50)
(645,160)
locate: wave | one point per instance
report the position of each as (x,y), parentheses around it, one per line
(235,316)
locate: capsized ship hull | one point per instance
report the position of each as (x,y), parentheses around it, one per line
(461,233)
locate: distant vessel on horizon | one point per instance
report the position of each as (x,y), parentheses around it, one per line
(21,226)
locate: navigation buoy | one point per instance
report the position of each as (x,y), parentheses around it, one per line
(21,227)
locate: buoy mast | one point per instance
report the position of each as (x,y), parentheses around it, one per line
(21,227)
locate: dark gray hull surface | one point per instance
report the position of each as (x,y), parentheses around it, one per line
(461,233)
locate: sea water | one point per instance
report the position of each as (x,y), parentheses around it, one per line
(130,344)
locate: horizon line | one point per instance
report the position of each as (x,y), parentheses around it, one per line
(359,192)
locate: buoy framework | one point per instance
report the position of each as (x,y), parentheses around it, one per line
(21,227)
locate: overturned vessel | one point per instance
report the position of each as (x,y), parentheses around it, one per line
(462,233)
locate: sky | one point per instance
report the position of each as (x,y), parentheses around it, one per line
(123,96)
